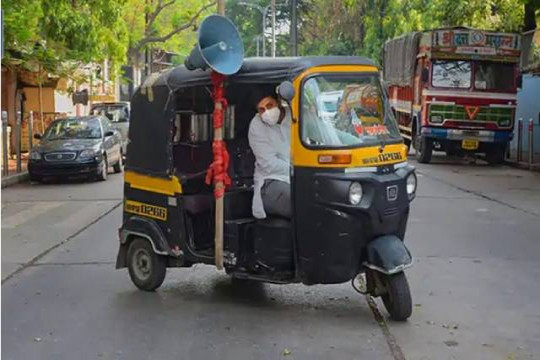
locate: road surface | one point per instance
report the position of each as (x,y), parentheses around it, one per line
(474,231)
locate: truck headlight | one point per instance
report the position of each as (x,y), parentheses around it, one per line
(411,185)
(355,193)
(436,119)
(34,155)
(505,122)
(87,154)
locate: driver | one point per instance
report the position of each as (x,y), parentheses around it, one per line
(269,138)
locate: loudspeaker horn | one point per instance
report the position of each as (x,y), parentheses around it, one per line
(219,47)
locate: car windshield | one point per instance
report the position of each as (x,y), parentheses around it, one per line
(452,74)
(361,117)
(115,113)
(73,128)
(494,76)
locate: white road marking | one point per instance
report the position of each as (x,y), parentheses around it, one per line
(28,214)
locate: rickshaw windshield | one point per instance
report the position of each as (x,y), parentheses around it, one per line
(359,115)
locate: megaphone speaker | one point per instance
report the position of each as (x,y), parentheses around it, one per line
(219,47)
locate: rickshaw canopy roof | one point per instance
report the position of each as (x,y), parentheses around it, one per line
(153,104)
(257,70)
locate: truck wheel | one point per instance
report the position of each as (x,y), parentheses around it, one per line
(397,299)
(495,155)
(424,149)
(146,268)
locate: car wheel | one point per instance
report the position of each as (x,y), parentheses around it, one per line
(104,168)
(147,269)
(119,166)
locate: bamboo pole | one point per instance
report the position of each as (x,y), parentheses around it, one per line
(40,80)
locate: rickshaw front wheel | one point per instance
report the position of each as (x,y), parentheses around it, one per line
(397,299)
(146,268)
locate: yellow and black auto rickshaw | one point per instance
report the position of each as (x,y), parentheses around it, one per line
(350,182)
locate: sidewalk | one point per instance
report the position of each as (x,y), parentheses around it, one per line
(13,176)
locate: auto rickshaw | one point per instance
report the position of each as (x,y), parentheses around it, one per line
(350,185)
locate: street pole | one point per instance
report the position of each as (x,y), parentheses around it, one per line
(5,139)
(294,28)
(18,141)
(221,7)
(273,4)
(264,13)
(30,131)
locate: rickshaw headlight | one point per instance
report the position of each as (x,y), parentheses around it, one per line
(355,193)
(411,184)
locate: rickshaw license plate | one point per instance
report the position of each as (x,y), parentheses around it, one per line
(470,144)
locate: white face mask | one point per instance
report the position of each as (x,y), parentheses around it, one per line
(271,116)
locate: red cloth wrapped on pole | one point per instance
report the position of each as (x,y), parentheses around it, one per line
(218,170)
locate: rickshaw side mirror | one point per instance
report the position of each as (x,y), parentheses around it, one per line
(286,91)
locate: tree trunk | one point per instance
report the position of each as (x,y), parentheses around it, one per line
(529,22)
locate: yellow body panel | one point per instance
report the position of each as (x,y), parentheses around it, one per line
(153,184)
(364,156)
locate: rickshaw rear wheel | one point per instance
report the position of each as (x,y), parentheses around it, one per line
(146,268)
(397,299)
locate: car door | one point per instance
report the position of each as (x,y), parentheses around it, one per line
(110,143)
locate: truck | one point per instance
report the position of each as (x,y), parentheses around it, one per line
(454,90)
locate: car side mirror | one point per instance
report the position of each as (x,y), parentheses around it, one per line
(519,81)
(37,136)
(425,75)
(109,133)
(286,91)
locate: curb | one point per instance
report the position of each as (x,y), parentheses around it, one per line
(14,179)
(523,165)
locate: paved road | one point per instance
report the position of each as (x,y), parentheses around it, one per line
(473,230)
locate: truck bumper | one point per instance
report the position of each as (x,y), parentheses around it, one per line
(484,136)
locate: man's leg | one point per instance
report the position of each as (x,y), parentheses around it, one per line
(276,197)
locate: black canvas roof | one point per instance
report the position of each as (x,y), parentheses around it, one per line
(257,70)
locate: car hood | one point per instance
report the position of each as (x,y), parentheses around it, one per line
(68,145)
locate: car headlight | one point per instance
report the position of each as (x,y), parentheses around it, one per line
(436,119)
(355,193)
(87,154)
(34,155)
(411,184)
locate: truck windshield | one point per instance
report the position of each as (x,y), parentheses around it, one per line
(361,116)
(452,74)
(494,76)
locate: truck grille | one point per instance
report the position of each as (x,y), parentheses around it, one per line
(60,156)
(485,113)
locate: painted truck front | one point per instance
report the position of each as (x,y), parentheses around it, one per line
(454,90)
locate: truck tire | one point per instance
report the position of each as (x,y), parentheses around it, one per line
(495,155)
(424,149)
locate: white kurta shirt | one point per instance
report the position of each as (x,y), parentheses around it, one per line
(271,147)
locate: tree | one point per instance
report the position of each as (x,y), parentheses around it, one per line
(169,23)
(58,35)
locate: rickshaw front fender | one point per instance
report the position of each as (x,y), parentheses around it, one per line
(388,255)
(139,227)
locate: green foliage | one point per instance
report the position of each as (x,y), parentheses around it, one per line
(59,34)
(165,17)
(360,27)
